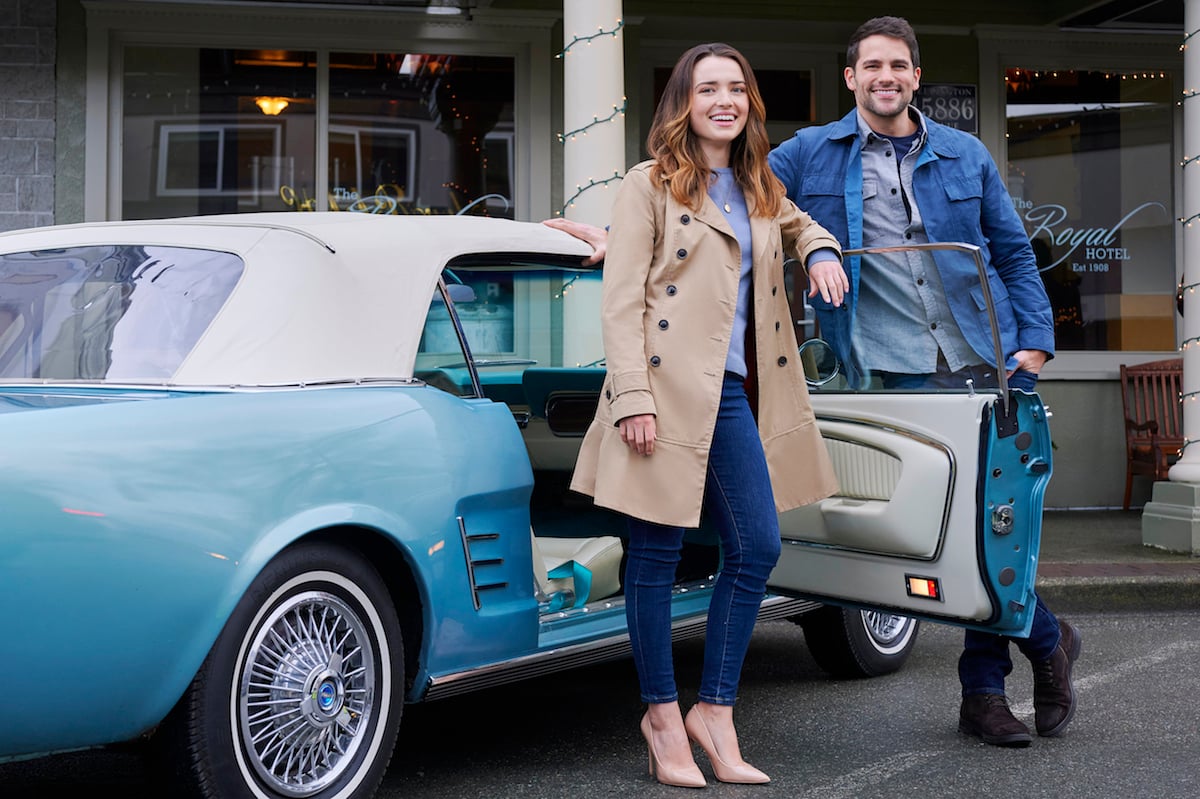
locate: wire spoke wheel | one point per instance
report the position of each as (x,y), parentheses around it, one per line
(306,693)
(850,643)
(889,631)
(300,696)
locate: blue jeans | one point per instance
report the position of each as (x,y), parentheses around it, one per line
(983,376)
(985,661)
(739,501)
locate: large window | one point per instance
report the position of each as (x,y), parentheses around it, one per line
(414,133)
(211,130)
(1090,171)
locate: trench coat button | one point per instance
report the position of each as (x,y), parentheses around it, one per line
(906,235)
(776,325)
(655,360)
(682,253)
(920,281)
(663,324)
(782,360)
(608,394)
(933,326)
(774,290)
(685,219)
(671,291)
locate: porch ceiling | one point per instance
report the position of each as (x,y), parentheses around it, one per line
(1136,15)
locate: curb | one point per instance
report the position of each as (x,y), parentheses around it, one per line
(1115,594)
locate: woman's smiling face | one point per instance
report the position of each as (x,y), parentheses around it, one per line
(720,105)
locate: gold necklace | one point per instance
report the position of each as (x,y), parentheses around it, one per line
(729,193)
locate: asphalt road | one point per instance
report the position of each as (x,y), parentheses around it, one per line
(1137,731)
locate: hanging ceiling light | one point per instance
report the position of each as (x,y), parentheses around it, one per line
(271,106)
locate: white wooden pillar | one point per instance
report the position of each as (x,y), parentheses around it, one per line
(1171,520)
(593,141)
(593,135)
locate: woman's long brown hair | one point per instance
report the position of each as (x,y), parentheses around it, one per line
(680,162)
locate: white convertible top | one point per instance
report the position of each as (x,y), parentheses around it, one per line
(324,296)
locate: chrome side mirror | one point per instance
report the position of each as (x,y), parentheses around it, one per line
(460,292)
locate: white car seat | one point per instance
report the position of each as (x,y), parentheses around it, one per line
(570,572)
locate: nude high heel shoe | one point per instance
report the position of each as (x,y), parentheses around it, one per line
(679,777)
(725,771)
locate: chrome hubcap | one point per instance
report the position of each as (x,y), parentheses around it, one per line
(307,689)
(886,629)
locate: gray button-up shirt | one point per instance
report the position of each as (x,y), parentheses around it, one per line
(903,317)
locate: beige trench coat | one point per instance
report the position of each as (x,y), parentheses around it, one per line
(669,299)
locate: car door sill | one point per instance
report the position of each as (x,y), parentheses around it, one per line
(597,651)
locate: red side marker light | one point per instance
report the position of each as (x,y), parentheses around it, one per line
(924,587)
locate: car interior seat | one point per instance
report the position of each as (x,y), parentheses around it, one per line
(571,572)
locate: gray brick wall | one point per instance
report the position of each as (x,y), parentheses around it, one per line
(27,124)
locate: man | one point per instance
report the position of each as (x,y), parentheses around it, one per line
(884,175)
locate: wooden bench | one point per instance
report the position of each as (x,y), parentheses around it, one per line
(1153,419)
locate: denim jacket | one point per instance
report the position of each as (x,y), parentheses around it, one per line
(961,198)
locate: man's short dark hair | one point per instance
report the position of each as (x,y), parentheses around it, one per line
(895,27)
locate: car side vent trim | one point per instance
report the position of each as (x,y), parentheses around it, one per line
(469,542)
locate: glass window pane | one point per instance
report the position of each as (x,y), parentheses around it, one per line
(210,131)
(121,312)
(421,133)
(888,343)
(1090,171)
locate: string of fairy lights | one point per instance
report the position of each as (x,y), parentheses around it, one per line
(1190,288)
(618,110)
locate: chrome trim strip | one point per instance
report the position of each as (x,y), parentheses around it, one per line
(610,648)
(206,388)
(476,385)
(462,532)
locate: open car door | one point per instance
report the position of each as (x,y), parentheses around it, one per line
(940,506)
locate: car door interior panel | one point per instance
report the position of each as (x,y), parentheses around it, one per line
(894,487)
(903,532)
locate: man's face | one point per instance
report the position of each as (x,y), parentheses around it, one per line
(883,81)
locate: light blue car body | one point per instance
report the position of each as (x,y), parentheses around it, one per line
(130,538)
(136,516)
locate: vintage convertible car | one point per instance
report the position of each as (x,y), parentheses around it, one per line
(267,478)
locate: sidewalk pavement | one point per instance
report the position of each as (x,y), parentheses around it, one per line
(1094,561)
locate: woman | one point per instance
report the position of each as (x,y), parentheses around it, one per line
(694,304)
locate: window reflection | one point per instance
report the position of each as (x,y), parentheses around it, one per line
(421,133)
(1090,172)
(208,131)
(109,312)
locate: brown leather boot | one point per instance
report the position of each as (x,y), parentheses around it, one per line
(1053,693)
(987,716)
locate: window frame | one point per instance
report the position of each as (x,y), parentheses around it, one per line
(526,39)
(1003,46)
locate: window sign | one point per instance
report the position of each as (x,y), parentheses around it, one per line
(1090,173)
(953,104)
